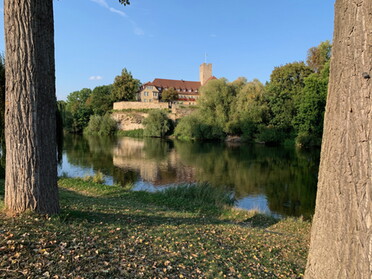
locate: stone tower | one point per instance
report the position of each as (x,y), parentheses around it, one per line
(205,73)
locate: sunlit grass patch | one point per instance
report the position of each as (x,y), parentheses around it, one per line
(98,177)
(198,197)
(89,187)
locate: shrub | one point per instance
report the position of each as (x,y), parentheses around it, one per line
(94,125)
(157,124)
(108,125)
(188,128)
(101,125)
(270,135)
(248,129)
(305,140)
(193,127)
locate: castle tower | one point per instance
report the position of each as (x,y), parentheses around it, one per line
(205,72)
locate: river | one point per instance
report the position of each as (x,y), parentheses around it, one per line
(274,180)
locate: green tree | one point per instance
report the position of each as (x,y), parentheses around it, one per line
(169,95)
(309,119)
(78,110)
(318,56)
(101,99)
(157,124)
(125,87)
(216,98)
(249,109)
(284,91)
(94,125)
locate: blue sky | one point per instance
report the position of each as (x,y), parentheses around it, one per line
(96,39)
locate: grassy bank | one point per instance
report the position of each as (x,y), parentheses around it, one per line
(107,232)
(137,133)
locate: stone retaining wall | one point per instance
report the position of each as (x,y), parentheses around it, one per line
(132,119)
(139,105)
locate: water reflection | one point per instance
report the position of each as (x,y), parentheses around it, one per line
(270,179)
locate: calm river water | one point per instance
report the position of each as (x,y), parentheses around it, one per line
(274,180)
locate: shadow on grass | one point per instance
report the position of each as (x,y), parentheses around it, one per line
(132,219)
(133,208)
(261,221)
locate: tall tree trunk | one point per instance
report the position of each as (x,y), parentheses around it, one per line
(30,117)
(341,237)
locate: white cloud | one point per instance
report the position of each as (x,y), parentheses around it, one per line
(103,3)
(136,30)
(117,12)
(95,78)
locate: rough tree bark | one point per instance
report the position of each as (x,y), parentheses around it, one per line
(30,118)
(341,237)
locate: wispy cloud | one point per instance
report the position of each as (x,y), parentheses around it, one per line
(136,29)
(95,78)
(212,35)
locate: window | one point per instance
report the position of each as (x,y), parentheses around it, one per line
(145,93)
(190,90)
(149,87)
(155,94)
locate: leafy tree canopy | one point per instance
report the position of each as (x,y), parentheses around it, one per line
(169,95)
(215,103)
(318,56)
(157,124)
(125,86)
(101,99)
(284,90)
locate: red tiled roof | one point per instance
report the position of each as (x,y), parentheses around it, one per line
(177,84)
(211,78)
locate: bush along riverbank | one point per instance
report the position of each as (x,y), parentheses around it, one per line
(187,232)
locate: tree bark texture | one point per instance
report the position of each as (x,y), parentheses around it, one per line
(341,237)
(30,118)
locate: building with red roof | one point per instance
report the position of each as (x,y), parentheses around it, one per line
(188,91)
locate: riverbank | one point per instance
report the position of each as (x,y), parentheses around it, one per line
(108,232)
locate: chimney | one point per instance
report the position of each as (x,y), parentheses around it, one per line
(205,73)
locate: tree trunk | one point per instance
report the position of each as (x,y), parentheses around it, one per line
(341,237)
(30,117)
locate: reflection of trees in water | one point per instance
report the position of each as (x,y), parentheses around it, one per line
(96,153)
(287,177)
(155,160)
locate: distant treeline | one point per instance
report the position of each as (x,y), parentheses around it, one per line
(288,108)
(82,105)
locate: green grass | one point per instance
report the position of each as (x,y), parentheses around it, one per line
(200,198)
(137,133)
(98,178)
(108,232)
